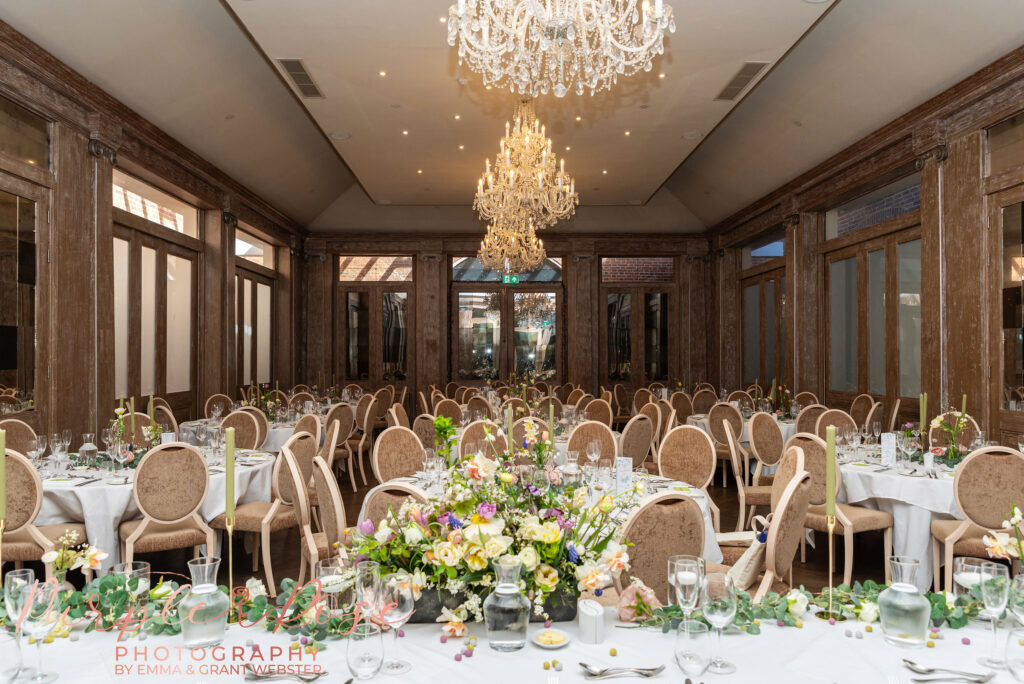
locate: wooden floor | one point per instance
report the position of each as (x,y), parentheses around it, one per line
(868,561)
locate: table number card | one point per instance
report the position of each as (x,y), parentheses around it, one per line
(623,473)
(889,449)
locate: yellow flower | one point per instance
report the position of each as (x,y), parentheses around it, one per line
(530,558)
(447,553)
(476,557)
(606,504)
(506,478)
(549,533)
(546,576)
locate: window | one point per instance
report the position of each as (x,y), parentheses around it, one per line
(358,311)
(638,349)
(656,335)
(470,270)
(620,352)
(394,317)
(842,331)
(1006,144)
(254,301)
(764,327)
(478,336)
(1012,314)
(637,269)
(252,248)
(764,250)
(142,199)
(23,135)
(895,199)
(375,269)
(535,328)
(17,296)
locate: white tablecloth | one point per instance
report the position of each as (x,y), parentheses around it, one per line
(701,421)
(914,503)
(103,507)
(277,435)
(816,654)
(561,447)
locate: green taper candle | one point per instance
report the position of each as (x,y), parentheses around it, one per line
(830,470)
(3,475)
(229,473)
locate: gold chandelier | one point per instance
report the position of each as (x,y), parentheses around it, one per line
(511,249)
(527,184)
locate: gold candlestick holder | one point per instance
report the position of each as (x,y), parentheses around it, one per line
(229,525)
(831,613)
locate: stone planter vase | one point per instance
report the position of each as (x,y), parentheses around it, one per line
(561,605)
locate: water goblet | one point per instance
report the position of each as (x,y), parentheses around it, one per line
(1016,600)
(718,601)
(216,411)
(17,587)
(593,451)
(995,590)
(368,587)
(684,580)
(337,582)
(1015,654)
(40,614)
(397,603)
(365,651)
(693,641)
(65,438)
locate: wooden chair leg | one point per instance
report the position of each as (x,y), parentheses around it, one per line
(740,517)
(848,557)
(302,567)
(888,552)
(936,567)
(362,470)
(948,553)
(255,552)
(267,567)
(803,547)
(352,471)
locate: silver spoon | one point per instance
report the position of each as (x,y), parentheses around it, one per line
(924,669)
(954,678)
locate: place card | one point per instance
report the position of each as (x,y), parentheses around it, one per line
(167,437)
(889,449)
(591,619)
(623,473)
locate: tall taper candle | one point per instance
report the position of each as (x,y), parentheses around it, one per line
(120,401)
(830,470)
(229,473)
(152,419)
(131,410)
(551,421)
(508,427)
(924,416)
(3,475)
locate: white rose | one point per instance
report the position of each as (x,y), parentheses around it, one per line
(868,612)
(49,557)
(796,601)
(255,588)
(413,534)
(382,534)
(530,558)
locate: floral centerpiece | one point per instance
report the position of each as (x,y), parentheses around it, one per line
(444,437)
(781,400)
(952,423)
(999,544)
(510,502)
(70,555)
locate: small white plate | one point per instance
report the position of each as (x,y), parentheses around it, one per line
(551,647)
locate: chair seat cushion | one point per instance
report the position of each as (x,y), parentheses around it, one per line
(861,519)
(971,544)
(778,586)
(249,517)
(157,537)
(22,547)
(758,496)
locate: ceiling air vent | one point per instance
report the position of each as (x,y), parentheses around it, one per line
(747,73)
(303,82)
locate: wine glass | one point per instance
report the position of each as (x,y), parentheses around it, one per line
(17,586)
(1016,601)
(995,590)
(216,410)
(693,641)
(397,603)
(684,576)
(65,438)
(1015,654)
(41,612)
(365,651)
(368,586)
(593,451)
(718,601)
(876,430)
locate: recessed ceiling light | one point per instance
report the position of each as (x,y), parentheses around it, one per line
(567,148)
(382,74)
(458,116)
(444,20)
(579,118)
(661,75)
(396,106)
(462,147)
(384,202)
(645,106)
(419,170)
(405,132)
(627,132)
(460,80)
(341,135)
(488,87)
(604,171)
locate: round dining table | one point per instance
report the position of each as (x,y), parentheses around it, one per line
(700,420)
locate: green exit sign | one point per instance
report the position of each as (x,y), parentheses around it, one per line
(510,279)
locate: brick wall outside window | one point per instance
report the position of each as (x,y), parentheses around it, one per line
(882,209)
(637,269)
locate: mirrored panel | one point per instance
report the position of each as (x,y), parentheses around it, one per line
(479,336)
(842,331)
(394,336)
(619,344)
(358,315)
(534,333)
(1013,313)
(17,302)
(656,335)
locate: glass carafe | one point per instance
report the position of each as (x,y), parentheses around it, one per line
(204,611)
(506,610)
(903,610)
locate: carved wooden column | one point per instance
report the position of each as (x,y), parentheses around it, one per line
(582,319)
(431,351)
(929,164)
(803,267)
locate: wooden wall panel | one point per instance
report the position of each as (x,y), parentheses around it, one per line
(431,330)
(933,349)
(213,308)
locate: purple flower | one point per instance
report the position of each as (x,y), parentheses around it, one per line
(533,490)
(366,527)
(454,522)
(552,513)
(423,520)
(565,523)
(487,510)
(572,554)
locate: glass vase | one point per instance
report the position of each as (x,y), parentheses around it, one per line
(903,610)
(204,611)
(506,610)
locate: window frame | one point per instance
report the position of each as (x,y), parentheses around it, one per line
(638,369)
(774,270)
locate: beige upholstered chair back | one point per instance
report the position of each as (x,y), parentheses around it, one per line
(807,419)
(938,437)
(519,429)
(765,438)
(279,396)
(742,399)
(894,416)
(574,396)
(361,407)
(450,409)
(664,525)
(988,482)
(652,411)
(479,407)
(369,416)
(705,385)
(165,418)
(724,412)
(450,389)
(542,387)
(668,418)
(683,406)
(635,442)
(353,387)
(787,528)
(398,416)
(141,421)
(755,391)
(303,449)
(328,496)
(423,426)
(19,434)
(838,417)
(687,454)
(542,407)
(588,431)
(584,401)
(874,415)
(301,387)
(622,399)
(860,407)
(326,450)
(261,422)
(791,463)
(299,400)
(24,491)
(396,453)
(388,495)
(436,397)
(424,406)
(814,463)
(171,482)
(655,387)
(563,391)
(519,407)
(247,430)
(735,461)
(385,397)
(345,417)
(308,423)
(599,410)
(292,481)
(703,400)
(475,434)
(805,398)
(640,398)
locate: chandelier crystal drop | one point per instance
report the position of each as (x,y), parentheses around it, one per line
(527,183)
(538,46)
(511,249)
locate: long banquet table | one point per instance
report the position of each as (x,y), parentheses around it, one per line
(815,654)
(103,507)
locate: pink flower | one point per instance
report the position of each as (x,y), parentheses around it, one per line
(634,601)
(554,477)
(487,510)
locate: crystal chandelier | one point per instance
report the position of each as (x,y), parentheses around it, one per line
(525,185)
(511,249)
(536,46)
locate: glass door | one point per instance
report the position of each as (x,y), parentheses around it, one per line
(636,343)
(372,347)
(763,304)
(1006,288)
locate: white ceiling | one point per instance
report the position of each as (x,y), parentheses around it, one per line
(191,69)
(345,45)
